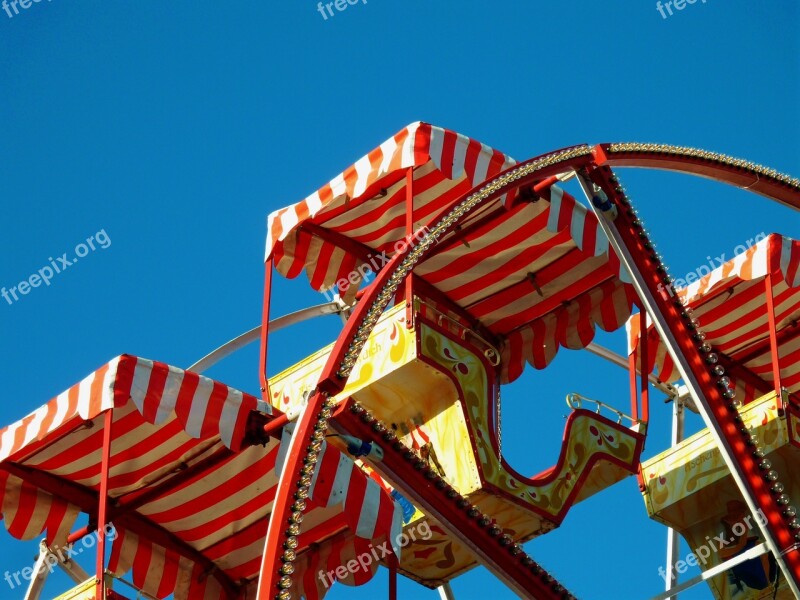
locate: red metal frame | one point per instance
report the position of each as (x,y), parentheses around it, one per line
(644,262)
(632,386)
(277,532)
(274,426)
(262,361)
(102,505)
(644,385)
(78,534)
(710,166)
(330,384)
(773,338)
(409,232)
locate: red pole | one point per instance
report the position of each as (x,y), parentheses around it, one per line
(78,535)
(773,338)
(102,509)
(393,577)
(262,363)
(632,386)
(272,427)
(409,233)
(645,371)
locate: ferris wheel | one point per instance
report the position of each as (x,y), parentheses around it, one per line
(454,268)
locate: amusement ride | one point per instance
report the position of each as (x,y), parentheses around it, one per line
(453,268)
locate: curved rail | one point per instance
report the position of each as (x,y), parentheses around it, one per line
(254,334)
(720,167)
(575,402)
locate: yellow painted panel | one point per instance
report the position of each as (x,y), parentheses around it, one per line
(390,346)
(690,488)
(727,529)
(588,437)
(678,473)
(440,558)
(83,591)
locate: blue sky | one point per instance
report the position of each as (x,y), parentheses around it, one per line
(176,127)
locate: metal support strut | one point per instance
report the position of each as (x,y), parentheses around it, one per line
(697,364)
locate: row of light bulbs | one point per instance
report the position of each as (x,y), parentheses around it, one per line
(712,359)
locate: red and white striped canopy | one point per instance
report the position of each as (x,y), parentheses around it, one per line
(190,497)
(538,274)
(729,303)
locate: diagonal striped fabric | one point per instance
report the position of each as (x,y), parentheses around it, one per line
(537,273)
(729,304)
(445,165)
(181,471)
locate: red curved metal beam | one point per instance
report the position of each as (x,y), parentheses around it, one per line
(719,167)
